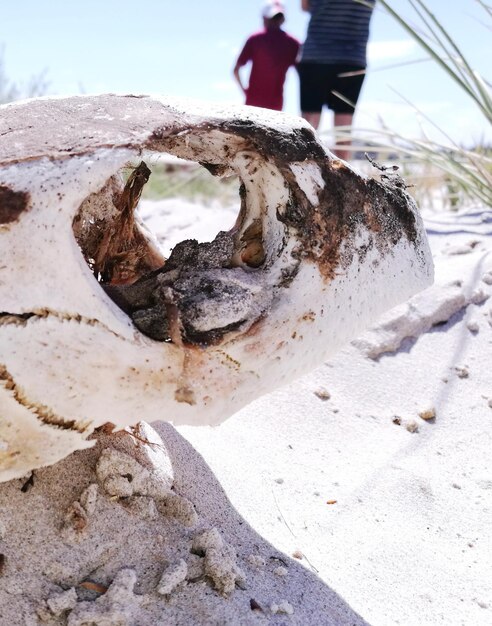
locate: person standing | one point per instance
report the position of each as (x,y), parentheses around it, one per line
(271,52)
(333,61)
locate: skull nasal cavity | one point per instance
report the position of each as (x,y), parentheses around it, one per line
(12,203)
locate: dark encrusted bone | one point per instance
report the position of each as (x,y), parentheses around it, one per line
(202,295)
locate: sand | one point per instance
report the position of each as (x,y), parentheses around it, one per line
(361,494)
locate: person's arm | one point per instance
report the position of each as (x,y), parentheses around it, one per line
(305,5)
(243,58)
(237,76)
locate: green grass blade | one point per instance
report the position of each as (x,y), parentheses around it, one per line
(438,59)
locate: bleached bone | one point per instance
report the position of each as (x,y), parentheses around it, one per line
(316,254)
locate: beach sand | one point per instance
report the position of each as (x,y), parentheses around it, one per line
(360,494)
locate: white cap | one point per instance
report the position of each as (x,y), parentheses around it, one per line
(272,8)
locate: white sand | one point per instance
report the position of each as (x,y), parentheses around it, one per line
(408,540)
(388,515)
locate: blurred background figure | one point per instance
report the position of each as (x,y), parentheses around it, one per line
(333,61)
(271,52)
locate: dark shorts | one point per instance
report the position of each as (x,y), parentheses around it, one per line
(319,81)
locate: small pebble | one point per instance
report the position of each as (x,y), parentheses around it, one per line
(479,296)
(473,327)
(412,427)
(397,420)
(487,278)
(490,403)
(280,481)
(281,571)
(322,394)
(462,372)
(297,554)
(282,607)
(256,560)
(428,414)
(172,576)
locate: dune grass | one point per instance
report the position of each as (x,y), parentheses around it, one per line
(464,173)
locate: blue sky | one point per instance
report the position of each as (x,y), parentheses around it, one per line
(188,48)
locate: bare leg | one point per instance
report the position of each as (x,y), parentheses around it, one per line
(343,119)
(312,118)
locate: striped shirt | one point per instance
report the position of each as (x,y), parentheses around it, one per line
(338,32)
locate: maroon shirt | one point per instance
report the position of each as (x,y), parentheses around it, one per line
(272,52)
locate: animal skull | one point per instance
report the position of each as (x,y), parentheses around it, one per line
(96,326)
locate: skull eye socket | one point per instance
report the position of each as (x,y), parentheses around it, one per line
(106,227)
(170,297)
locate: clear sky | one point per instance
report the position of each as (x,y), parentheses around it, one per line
(188,48)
